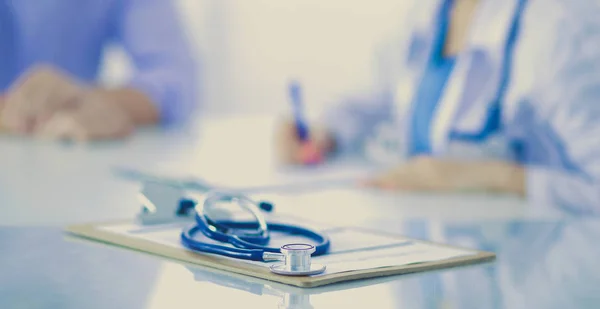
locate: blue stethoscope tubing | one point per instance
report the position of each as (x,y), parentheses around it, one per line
(246,247)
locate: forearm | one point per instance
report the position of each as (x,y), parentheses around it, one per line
(489,176)
(507,177)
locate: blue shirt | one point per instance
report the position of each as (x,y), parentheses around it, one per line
(71,35)
(549,110)
(434,80)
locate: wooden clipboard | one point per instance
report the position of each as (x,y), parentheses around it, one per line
(95,232)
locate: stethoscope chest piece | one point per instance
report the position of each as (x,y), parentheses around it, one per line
(297,261)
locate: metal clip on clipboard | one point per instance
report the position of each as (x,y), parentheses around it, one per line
(163,204)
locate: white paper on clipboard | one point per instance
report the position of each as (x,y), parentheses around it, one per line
(351,248)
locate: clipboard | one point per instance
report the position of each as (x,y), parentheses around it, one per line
(109,233)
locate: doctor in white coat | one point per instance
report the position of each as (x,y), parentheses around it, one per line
(485,95)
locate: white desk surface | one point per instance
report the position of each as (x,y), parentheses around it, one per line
(48,183)
(44,186)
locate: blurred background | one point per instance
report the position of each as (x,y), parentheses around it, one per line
(250,49)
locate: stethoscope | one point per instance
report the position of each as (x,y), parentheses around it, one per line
(250,238)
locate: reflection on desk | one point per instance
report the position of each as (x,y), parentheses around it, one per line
(540,264)
(546,246)
(41,269)
(549,264)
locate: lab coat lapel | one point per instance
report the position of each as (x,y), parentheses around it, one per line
(402,60)
(489,34)
(424,25)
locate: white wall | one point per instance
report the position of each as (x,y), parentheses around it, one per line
(252,48)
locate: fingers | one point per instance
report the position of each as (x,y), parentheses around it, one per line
(287,144)
(76,126)
(310,153)
(291,150)
(95,117)
(47,104)
(63,126)
(34,98)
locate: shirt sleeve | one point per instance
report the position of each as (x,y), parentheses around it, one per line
(562,116)
(151,33)
(354,119)
(357,116)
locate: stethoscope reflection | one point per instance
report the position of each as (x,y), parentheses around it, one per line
(540,264)
(290,297)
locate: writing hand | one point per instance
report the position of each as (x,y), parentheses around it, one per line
(290,149)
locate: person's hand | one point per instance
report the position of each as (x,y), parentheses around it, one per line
(440,175)
(96,115)
(291,150)
(47,103)
(35,97)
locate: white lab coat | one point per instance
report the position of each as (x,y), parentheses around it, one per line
(551,104)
